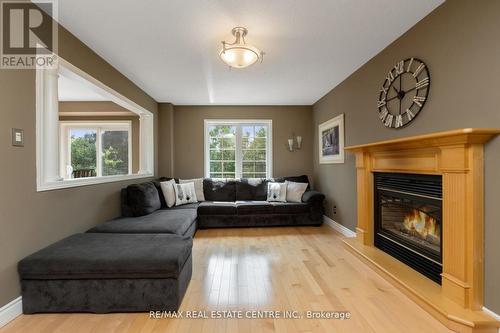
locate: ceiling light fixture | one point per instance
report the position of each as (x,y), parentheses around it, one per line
(239,54)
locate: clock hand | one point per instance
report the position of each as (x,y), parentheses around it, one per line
(410,90)
(397,92)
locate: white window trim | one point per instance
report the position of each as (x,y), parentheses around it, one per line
(47,131)
(269,145)
(99,125)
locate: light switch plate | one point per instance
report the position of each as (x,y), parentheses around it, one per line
(17,137)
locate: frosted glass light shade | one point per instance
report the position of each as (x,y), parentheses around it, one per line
(239,54)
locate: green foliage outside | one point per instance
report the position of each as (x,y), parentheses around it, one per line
(115,152)
(83,152)
(223,151)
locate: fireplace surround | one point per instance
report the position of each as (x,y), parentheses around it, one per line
(457,157)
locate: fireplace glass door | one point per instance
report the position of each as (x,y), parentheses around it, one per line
(408,220)
(415,223)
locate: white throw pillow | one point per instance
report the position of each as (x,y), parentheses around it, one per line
(168,191)
(276,192)
(185,194)
(294,191)
(198,186)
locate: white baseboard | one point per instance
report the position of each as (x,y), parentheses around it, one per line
(493,314)
(338,227)
(10,311)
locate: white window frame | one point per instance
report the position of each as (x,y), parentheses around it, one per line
(100,126)
(48,163)
(242,122)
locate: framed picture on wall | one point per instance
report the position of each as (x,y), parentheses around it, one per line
(331,140)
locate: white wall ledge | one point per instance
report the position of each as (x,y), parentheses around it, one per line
(69,183)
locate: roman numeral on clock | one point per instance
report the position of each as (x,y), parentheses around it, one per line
(399,121)
(381,103)
(382,114)
(418,100)
(399,68)
(409,65)
(422,83)
(388,120)
(418,70)
(390,77)
(409,114)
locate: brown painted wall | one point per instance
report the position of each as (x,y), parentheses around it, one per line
(94,108)
(457,42)
(30,220)
(166,139)
(189,136)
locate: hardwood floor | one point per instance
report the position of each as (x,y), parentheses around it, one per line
(301,269)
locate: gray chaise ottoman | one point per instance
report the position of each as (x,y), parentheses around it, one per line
(103,273)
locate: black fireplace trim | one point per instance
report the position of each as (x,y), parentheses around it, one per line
(417,187)
(426,267)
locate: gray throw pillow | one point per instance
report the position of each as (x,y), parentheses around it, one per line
(143,199)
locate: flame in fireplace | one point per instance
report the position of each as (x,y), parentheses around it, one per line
(422,225)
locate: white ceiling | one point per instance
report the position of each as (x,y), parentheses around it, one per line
(170,48)
(71,88)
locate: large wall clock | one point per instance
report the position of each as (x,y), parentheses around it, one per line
(404,93)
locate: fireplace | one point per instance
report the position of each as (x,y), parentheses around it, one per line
(408,220)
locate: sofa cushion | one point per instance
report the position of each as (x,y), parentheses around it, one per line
(157,182)
(219,189)
(254,207)
(251,189)
(105,256)
(143,198)
(290,208)
(296,179)
(165,221)
(217,208)
(186,206)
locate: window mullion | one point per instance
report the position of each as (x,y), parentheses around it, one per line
(238,151)
(98,152)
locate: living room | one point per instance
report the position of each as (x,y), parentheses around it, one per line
(326,166)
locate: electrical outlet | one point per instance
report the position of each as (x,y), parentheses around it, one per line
(334,210)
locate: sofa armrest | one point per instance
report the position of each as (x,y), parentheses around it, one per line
(312,196)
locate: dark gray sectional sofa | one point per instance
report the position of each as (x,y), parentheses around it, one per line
(104,273)
(141,261)
(242,203)
(228,203)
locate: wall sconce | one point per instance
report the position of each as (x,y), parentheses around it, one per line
(294,143)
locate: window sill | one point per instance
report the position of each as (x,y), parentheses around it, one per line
(68,183)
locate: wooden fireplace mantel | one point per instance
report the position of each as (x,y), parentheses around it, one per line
(457,155)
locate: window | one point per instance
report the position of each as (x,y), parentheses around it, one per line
(95,149)
(238,148)
(95,152)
